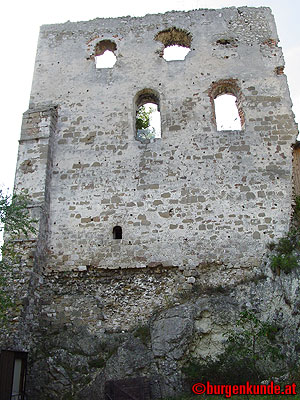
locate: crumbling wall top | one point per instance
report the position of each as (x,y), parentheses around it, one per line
(258,17)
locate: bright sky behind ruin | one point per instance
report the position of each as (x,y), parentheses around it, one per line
(19,34)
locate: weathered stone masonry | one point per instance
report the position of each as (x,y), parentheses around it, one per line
(197,206)
(196,192)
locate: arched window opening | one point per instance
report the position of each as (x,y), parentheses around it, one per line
(175,53)
(106,60)
(105,54)
(177,43)
(226,98)
(147,120)
(227,113)
(117,232)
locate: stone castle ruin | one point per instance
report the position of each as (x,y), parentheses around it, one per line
(137,232)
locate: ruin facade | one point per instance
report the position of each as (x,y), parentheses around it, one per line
(127,224)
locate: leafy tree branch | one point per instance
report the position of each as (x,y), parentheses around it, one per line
(143,117)
(17,223)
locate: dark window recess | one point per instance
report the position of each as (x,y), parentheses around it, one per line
(117,232)
(128,389)
(12,375)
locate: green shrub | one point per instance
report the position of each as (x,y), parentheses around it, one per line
(143,333)
(285,258)
(284,262)
(285,245)
(143,117)
(97,363)
(227,369)
(248,350)
(297,209)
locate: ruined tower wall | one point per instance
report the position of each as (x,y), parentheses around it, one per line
(196,194)
(197,207)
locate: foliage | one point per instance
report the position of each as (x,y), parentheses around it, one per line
(248,349)
(16,221)
(143,117)
(146,134)
(286,251)
(285,258)
(143,333)
(284,262)
(255,339)
(143,127)
(297,209)
(98,363)
(14,216)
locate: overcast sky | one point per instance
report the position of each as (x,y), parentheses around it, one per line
(19,34)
